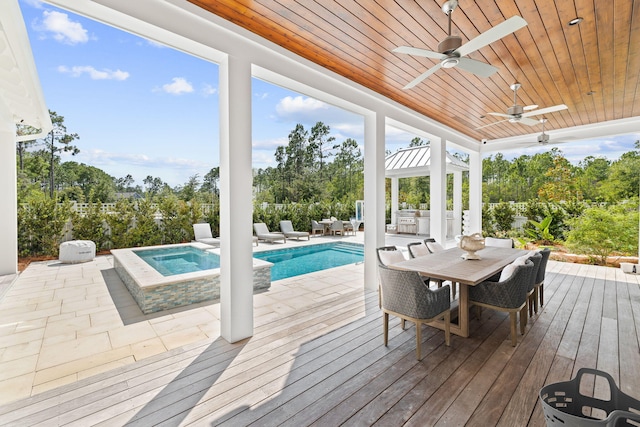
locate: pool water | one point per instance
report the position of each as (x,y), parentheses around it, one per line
(179,260)
(286,262)
(307,259)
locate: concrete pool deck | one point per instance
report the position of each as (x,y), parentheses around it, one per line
(61,323)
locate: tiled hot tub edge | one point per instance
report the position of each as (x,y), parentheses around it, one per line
(163,296)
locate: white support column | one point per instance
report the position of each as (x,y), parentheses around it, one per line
(395,190)
(374,144)
(438,190)
(457,203)
(475,192)
(9,211)
(236,209)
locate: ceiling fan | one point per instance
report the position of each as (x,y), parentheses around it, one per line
(451,51)
(542,139)
(516,113)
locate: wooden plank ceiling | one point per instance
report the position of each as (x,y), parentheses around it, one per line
(592,67)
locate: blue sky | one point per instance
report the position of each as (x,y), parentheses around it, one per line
(143,109)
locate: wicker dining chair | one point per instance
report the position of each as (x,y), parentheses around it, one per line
(538,287)
(508,295)
(421,249)
(406,296)
(387,255)
(536,259)
(417,249)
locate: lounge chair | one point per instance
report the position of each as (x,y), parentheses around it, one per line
(287,229)
(202,233)
(263,233)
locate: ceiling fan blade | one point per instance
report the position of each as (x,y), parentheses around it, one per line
(478,68)
(529,122)
(491,124)
(500,115)
(418,52)
(496,33)
(423,76)
(559,107)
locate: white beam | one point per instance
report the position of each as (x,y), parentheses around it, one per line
(9,211)
(395,189)
(236,210)
(457,203)
(438,190)
(475,192)
(374,197)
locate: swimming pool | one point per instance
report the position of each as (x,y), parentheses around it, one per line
(286,262)
(186,274)
(307,259)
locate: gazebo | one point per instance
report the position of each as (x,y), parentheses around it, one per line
(416,161)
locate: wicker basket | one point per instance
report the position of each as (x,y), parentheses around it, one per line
(563,405)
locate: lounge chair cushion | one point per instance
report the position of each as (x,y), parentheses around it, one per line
(287,229)
(202,233)
(263,233)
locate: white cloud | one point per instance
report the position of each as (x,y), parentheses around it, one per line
(93,73)
(269,144)
(299,106)
(263,159)
(34,3)
(209,90)
(178,86)
(261,96)
(63,29)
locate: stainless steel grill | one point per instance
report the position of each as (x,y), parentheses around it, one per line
(407,225)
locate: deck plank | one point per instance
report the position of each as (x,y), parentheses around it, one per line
(326,365)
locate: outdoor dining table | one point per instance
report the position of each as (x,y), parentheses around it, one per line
(327,224)
(449,265)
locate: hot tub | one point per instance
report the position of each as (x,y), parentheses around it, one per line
(155,290)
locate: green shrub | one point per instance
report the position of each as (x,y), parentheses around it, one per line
(487,221)
(537,211)
(503,215)
(176,223)
(91,226)
(539,231)
(121,224)
(41,226)
(146,231)
(602,232)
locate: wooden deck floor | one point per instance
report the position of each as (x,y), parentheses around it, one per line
(327,366)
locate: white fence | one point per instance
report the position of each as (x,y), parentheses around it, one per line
(83,208)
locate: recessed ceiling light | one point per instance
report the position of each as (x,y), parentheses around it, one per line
(575,21)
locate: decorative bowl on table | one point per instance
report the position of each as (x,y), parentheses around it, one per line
(471,244)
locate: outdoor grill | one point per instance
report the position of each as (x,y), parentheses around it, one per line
(407,224)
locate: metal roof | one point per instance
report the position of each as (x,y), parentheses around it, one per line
(416,161)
